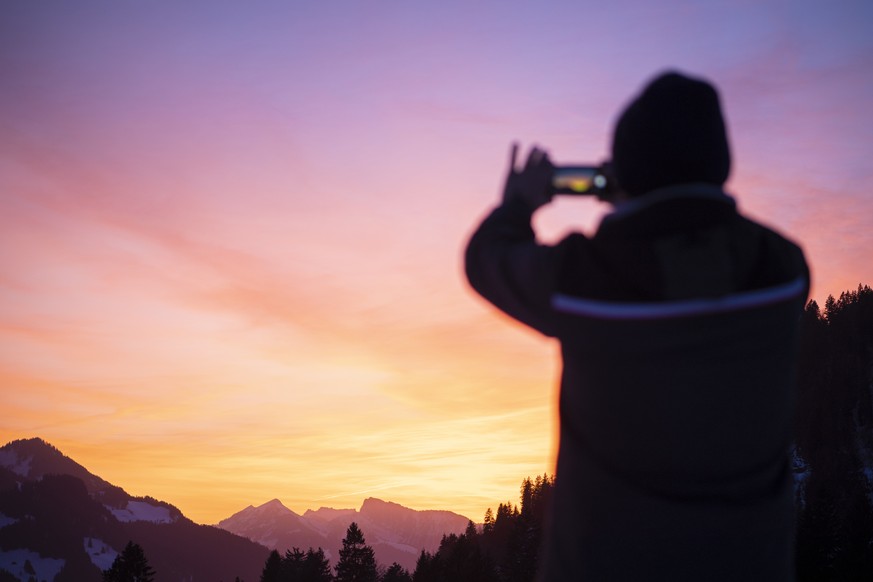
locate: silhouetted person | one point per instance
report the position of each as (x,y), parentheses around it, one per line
(677,322)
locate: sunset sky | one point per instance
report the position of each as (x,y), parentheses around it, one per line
(231,232)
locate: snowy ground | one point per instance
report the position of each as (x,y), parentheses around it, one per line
(142,511)
(10,460)
(101,554)
(6,520)
(24,564)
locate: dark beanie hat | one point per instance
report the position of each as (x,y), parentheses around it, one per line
(672,133)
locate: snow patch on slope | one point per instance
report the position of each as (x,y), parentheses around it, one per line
(24,565)
(10,460)
(142,511)
(102,555)
(6,520)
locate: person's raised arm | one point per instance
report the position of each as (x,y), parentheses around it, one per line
(504,263)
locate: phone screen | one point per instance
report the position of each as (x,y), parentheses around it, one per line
(575,179)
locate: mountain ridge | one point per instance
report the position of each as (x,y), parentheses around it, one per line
(69,524)
(61,523)
(395,532)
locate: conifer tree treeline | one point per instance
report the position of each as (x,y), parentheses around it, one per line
(834,455)
(506,549)
(357,563)
(297,566)
(131,565)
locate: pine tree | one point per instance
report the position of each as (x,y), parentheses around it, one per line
(131,565)
(526,496)
(357,561)
(488,523)
(292,565)
(316,568)
(272,568)
(396,573)
(427,568)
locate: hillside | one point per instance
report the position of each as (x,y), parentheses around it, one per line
(60,522)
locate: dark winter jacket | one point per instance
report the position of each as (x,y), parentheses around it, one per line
(677,322)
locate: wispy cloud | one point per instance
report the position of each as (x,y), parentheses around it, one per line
(231,261)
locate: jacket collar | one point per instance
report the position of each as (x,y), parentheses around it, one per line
(693,191)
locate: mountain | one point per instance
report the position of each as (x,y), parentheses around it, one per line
(32,459)
(274,526)
(396,533)
(61,523)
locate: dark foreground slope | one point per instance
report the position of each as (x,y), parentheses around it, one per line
(58,520)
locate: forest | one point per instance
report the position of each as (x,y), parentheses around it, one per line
(834,452)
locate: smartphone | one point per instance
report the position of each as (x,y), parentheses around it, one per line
(579,180)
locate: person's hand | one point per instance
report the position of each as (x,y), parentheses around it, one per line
(533,184)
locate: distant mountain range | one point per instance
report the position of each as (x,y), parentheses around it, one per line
(61,523)
(396,533)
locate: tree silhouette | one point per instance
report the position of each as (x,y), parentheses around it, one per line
(130,565)
(297,566)
(309,566)
(272,568)
(507,548)
(834,455)
(488,523)
(317,567)
(396,573)
(357,561)
(427,568)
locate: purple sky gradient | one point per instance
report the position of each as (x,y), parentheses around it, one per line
(232,231)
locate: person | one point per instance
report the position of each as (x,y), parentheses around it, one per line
(678,323)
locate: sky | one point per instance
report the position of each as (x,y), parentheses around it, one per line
(231,232)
